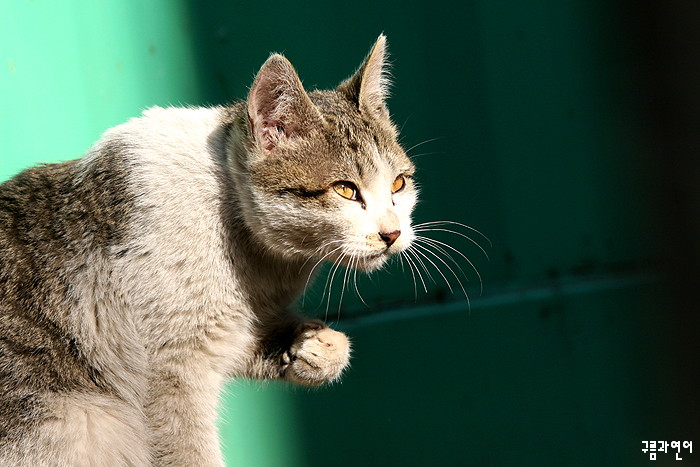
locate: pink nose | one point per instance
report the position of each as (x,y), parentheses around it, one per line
(389,237)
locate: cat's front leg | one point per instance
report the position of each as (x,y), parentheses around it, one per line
(318,355)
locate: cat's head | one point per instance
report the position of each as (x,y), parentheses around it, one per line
(324,174)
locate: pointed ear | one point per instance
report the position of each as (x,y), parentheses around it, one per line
(278,106)
(369,86)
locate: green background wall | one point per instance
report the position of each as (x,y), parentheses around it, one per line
(532,121)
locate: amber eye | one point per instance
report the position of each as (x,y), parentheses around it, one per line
(347,190)
(398,184)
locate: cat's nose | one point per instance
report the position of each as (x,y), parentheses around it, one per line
(389,237)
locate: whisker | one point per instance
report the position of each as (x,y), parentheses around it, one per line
(404,124)
(334,266)
(417,251)
(415,288)
(422,143)
(422,264)
(325,284)
(428,242)
(413,156)
(357,290)
(432,240)
(415,268)
(342,289)
(317,251)
(450,269)
(329,282)
(303,300)
(432,223)
(403,271)
(455,233)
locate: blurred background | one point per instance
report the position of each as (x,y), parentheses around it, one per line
(567,132)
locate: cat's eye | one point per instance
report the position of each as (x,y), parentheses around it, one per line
(347,190)
(398,184)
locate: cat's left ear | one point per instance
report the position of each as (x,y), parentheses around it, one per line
(368,88)
(278,106)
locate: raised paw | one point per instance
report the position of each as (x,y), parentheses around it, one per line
(318,355)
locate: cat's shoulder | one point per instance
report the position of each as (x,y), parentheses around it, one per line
(161,133)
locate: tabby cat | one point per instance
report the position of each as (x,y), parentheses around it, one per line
(135,280)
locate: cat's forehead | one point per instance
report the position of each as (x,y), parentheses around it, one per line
(342,118)
(368,144)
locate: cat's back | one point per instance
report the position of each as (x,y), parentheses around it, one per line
(34,234)
(58,210)
(55,220)
(51,216)
(32,245)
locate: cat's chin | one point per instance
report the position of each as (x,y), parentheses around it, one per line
(369,263)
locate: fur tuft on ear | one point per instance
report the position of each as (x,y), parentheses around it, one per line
(278,106)
(369,86)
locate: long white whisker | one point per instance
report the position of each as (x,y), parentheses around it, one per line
(433,223)
(317,250)
(413,156)
(422,143)
(330,282)
(415,287)
(404,124)
(327,281)
(450,269)
(415,267)
(357,290)
(421,263)
(403,270)
(331,274)
(418,251)
(455,233)
(436,244)
(481,282)
(303,300)
(342,289)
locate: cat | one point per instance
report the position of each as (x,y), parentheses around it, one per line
(136,279)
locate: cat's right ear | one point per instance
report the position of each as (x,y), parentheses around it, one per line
(278,106)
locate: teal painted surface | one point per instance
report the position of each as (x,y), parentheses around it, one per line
(527,123)
(259,426)
(73,69)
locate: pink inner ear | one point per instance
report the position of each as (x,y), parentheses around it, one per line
(278,106)
(269,133)
(262,104)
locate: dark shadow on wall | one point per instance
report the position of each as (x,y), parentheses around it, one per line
(667,42)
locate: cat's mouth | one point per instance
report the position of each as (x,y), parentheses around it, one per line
(362,259)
